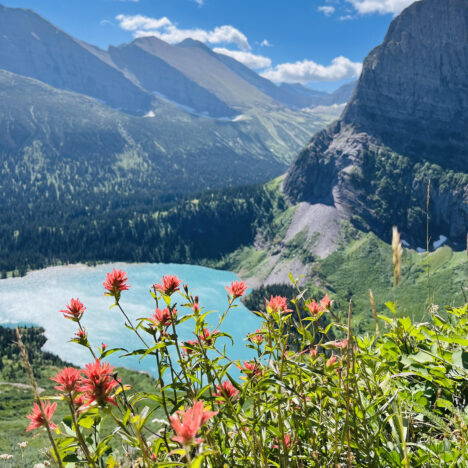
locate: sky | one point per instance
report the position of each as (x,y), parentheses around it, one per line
(319,43)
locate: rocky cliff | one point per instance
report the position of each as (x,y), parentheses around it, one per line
(406,124)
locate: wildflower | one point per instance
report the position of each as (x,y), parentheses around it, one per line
(36,416)
(163,318)
(226,390)
(81,337)
(74,311)
(98,382)
(277,304)
(6,456)
(186,424)
(189,346)
(170,284)
(331,361)
(115,283)
(313,352)
(287,441)
(257,337)
(103,347)
(68,379)
(342,344)
(326,302)
(22,445)
(314,308)
(250,368)
(80,400)
(237,289)
(207,337)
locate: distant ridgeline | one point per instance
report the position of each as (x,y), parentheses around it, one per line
(11,367)
(103,139)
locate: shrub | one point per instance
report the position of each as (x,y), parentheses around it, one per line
(394,398)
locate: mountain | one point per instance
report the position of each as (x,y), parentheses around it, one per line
(399,131)
(31,46)
(402,136)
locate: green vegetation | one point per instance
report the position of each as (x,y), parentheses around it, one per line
(16,395)
(438,278)
(393,398)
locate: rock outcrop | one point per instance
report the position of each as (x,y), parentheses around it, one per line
(406,124)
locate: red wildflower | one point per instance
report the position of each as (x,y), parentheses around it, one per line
(170,284)
(80,400)
(277,304)
(226,390)
(68,379)
(81,336)
(250,368)
(331,361)
(189,349)
(36,416)
(287,441)
(326,302)
(187,423)
(313,352)
(163,318)
(207,336)
(314,308)
(115,283)
(98,382)
(74,311)
(342,344)
(103,347)
(237,289)
(257,337)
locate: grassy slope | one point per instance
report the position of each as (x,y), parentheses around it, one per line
(366,263)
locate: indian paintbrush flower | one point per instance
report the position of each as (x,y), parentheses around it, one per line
(257,337)
(186,424)
(74,311)
(164,317)
(68,379)
(37,419)
(277,304)
(169,285)
(226,390)
(98,382)
(237,289)
(115,283)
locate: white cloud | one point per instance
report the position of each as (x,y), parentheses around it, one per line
(247,58)
(165,29)
(326,10)
(140,22)
(307,71)
(380,6)
(265,43)
(198,2)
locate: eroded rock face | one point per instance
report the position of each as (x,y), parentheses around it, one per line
(406,124)
(413,91)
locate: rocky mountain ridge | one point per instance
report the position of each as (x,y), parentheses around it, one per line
(405,125)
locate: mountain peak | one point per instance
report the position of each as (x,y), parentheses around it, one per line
(405,126)
(413,90)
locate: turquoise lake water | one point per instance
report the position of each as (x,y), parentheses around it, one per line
(38,297)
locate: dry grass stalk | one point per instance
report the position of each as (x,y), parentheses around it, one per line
(37,398)
(397,254)
(374,312)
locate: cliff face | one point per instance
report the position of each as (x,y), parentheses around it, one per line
(406,124)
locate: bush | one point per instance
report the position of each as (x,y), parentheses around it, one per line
(394,398)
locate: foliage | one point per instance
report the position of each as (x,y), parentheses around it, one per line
(393,398)
(103,228)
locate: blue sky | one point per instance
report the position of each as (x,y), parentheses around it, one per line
(320,43)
